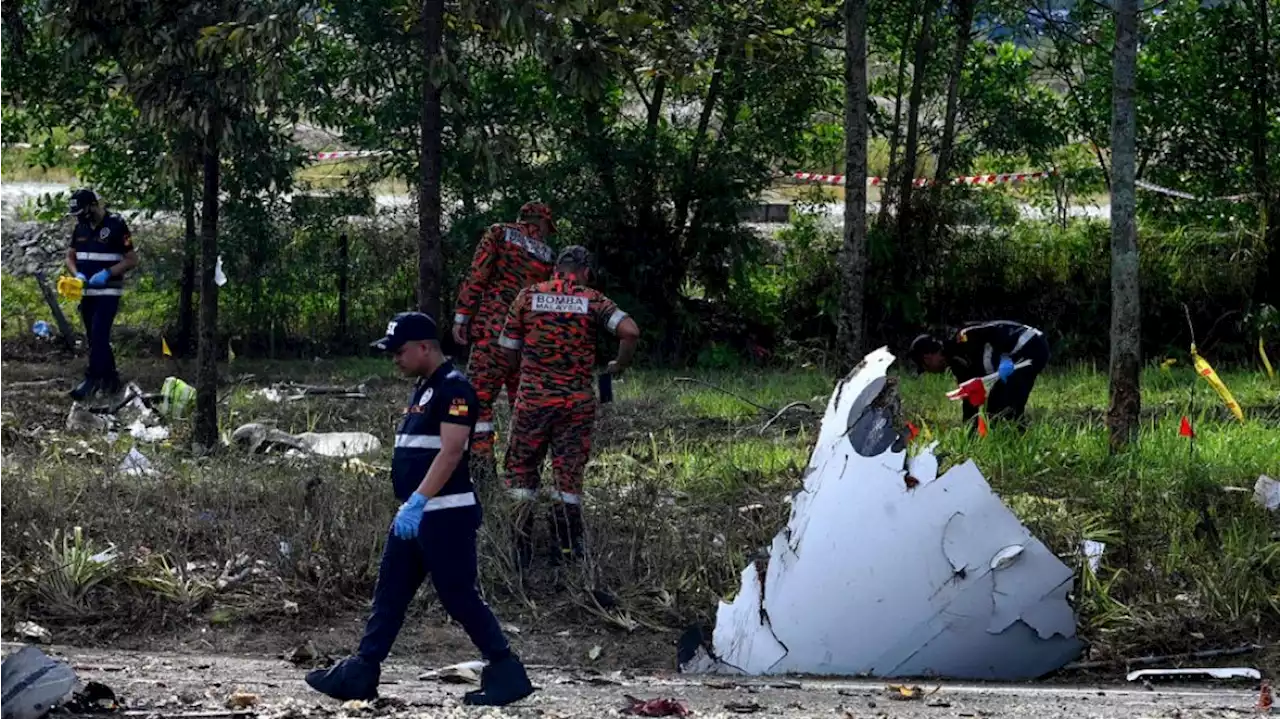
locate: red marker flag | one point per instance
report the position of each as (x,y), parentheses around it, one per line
(982,426)
(973,391)
(1184,429)
(912,431)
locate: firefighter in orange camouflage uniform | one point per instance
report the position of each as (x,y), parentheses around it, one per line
(551,330)
(510,257)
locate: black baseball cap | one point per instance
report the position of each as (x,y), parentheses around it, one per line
(81,201)
(406,327)
(575,255)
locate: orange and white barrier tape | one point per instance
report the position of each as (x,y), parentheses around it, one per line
(990,179)
(314,157)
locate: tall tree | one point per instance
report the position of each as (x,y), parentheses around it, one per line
(430,251)
(1262,66)
(851,325)
(1126,318)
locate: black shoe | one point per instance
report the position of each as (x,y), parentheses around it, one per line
(501,683)
(351,678)
(84,390)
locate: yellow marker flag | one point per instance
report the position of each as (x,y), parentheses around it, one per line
(1266,362)
(164,347)
(1203,368)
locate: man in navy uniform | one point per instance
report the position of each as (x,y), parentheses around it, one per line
(434,532)
(989,348)
(101,252)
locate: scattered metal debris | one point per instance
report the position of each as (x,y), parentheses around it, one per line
(136,464)
(462,673)
(32,632)
(961,588)
(257,437)
(1197,673)
(241,700)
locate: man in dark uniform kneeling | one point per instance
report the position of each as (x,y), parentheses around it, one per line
(435,530)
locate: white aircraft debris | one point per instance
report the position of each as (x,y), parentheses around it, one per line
(34,684)
(888,569)
(260,438)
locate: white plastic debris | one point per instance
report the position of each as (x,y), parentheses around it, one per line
(219,277)
(1198,672)
(340,444)
(32,632)
(1266,492)
(34,684)
(143,433)
(136,464)
(270,394)
(258,437)
(1092,552)
(876,575)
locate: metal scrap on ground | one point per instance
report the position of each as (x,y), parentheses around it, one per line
(877,575)
(34,684)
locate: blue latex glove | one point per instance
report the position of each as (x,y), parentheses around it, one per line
(1006,368)
(80,276)
(410,516)
(100,278)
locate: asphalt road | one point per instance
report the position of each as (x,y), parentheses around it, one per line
(172,685)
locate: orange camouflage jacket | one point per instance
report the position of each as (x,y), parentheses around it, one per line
(510,257)
(555,325)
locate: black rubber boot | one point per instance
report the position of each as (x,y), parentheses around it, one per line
(524,525)
(501,683)
(351,678)
(566,519)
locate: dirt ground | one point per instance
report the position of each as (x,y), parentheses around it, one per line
(178,684)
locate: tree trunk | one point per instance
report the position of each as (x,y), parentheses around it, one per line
(647,210)
(888,188)
(964,26)
(1261,68)
(850,336)
(344,273)
(430,252)
(206,420)
(912,149)
(1126,401)
(685,196)
(187,289)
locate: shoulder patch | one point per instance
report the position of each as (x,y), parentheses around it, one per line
(572,304)
(459,407)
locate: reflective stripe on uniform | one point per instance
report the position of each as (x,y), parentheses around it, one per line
(450,501)
(1027,335)
(523,494)
(616,319)
(420,441)
(99,256)
(566,497)
(507,343)
(484,427)
(103,292)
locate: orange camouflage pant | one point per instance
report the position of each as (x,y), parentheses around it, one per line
(489,372)
(562,428)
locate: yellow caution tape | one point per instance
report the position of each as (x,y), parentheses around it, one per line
(1204,370)
(1266,362)
(70,288)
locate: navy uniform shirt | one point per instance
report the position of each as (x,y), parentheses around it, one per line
(975,351)
(100,248)
(446,397)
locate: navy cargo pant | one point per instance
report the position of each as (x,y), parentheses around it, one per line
(445,548)
(98,314)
